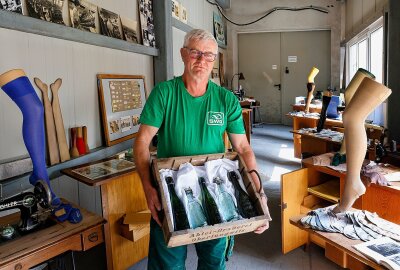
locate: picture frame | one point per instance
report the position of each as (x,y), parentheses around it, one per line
(121,98)
(147,22)
(219,30)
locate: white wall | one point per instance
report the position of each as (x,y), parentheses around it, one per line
(245,11)
(361,13)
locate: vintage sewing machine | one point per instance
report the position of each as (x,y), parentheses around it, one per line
(34,207)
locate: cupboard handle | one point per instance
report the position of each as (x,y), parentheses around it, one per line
(93,237)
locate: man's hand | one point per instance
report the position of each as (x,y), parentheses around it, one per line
(153,202)
(265,226)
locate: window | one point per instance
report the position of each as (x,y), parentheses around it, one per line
(366,51)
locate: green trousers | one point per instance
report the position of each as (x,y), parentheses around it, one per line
(211,254)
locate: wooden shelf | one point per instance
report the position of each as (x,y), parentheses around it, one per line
(329,190)
(181,26)
(15,21)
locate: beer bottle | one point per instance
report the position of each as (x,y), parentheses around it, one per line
(225,202)
(196,214)
(210,206)
(178,210)
(245,206)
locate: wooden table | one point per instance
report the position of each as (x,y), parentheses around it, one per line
(315,145)
(339,248)
(313,108)
(300,122)
(121,193)
(37,247)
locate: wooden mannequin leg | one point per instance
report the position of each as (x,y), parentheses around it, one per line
(310,87)
(349,93)
(367,97)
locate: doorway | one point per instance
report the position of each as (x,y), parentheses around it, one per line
(276,65)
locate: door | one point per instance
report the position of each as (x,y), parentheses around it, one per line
(276,66)
(300,51)
(259,61)
(293,191)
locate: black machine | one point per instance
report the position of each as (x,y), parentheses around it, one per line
(27,202)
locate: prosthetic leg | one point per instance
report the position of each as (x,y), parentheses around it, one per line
(355,82)
(326,99)
(18,87)
(310,88)
(367,97)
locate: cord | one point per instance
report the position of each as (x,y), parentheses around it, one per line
(268,12)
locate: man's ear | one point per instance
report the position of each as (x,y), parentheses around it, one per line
(182,51)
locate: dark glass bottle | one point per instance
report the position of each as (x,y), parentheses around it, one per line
(209,205)
(196,214)
(225,202)
(245,206)
(178,210)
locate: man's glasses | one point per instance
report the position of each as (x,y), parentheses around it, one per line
(195,54)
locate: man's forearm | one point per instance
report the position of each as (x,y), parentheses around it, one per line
(142,161)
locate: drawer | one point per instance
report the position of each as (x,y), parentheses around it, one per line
(336,255)
(92,237)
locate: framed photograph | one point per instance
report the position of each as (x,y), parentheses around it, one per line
(11,5)
(183,14)
(175,9)
(84,16)
(147,22)
(122,98)
(219,29)
(131,30)
(110,24)
(46,10)
(103,169)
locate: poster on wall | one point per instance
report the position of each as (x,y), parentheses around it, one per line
(122,98)
(219,29)
(84,16)
(147,22)
(110,24)
(11,5)
(47,10)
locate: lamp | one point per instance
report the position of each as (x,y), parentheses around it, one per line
(241,77)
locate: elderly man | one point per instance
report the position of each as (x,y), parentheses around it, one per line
(179,111)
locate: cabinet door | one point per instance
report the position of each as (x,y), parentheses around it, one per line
(293,191)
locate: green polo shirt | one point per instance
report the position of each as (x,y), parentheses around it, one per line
(191,125)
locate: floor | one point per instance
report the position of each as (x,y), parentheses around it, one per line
(273,147)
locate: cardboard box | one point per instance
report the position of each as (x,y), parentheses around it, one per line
(190,236)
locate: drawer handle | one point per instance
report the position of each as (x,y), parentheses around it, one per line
(93,237)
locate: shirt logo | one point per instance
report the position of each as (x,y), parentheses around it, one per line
(215,118)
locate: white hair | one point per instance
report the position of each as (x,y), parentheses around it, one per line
(198,34)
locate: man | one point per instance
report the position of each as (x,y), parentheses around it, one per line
(183,112)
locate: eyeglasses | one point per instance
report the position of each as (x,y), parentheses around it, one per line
(195,54)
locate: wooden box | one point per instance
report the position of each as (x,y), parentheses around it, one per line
(183,237)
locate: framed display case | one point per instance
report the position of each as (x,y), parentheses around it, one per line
(122,98)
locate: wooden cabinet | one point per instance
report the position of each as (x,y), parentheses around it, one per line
(297,199)
(120,194)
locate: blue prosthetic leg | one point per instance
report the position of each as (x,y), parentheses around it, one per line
(22,93)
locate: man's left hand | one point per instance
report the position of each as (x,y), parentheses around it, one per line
(265,226)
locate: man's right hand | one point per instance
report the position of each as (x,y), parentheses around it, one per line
(153,202)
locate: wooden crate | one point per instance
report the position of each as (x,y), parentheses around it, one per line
(183,237)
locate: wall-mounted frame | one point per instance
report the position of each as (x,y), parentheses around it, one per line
(122,98)
(219,30)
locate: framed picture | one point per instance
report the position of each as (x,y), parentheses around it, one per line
(175,9)
(147,22)
(47,10)
(131,30)
(11,5)
(122,98)
(219,30)
(84,16)
(110,24)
